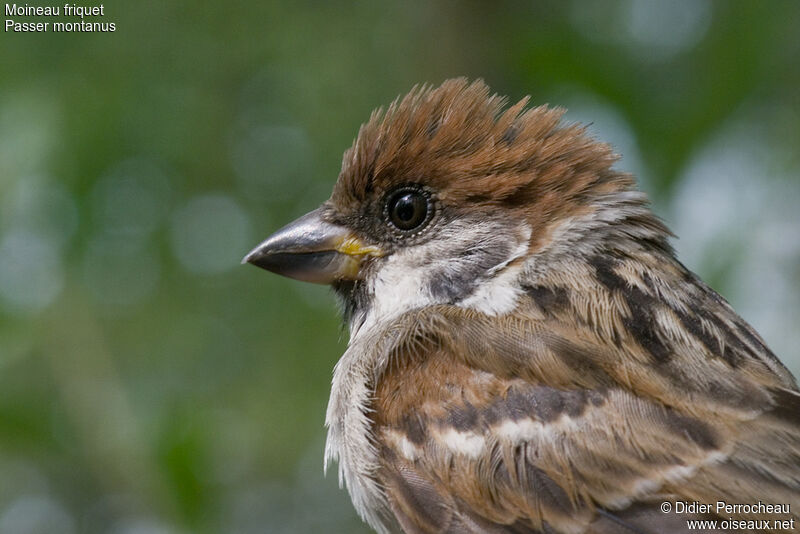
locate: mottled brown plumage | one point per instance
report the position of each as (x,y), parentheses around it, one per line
(527,354)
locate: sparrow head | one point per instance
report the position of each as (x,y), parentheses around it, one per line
(447,195)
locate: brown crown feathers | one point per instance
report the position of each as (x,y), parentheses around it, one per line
(463,143)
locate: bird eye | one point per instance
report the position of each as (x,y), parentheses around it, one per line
(408,209)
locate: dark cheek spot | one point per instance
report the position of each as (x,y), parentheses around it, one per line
(457,279)
(447,288)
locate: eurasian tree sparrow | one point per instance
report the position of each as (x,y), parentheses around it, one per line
(526,353)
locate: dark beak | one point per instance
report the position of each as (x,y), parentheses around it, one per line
(312,250)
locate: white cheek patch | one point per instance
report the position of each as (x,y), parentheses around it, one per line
(407,279)
(396,289)
(496,296)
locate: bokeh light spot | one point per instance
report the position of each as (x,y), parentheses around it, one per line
(28,131)
(664,29)
(40,205)
(36,515)
(649,30)
(31,274)
(143,526)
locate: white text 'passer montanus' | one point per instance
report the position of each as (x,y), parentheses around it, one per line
(526,353)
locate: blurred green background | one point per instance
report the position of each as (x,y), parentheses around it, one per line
(149,384)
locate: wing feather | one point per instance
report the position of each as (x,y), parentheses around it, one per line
(517,426)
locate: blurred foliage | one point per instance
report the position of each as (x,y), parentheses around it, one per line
(149,384)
